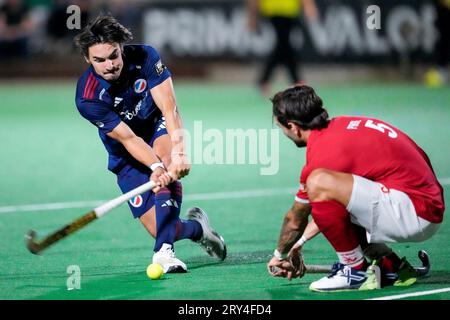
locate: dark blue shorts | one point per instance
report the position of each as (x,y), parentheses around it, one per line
(131,176)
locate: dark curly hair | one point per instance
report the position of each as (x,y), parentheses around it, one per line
(300,105)
(103,29)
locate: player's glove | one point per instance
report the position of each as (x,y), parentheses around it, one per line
(296,260)
(279,268)
(290,267)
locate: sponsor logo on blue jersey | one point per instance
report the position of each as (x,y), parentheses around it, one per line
(136,201)
(100,96)
(117,101)
(160,68)
(140,85)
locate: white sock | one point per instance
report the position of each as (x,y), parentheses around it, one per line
(351,258)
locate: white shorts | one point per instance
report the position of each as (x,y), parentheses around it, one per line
(388,215)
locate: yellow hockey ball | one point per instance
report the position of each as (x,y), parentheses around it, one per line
(433,79)
(155,271)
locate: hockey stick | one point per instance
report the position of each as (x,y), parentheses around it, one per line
(318,268)
(425,259)
(421,270)
(36,246)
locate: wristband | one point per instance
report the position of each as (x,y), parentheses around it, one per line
(155,165)
(277,254)
(301,241)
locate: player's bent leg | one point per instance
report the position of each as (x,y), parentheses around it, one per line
(166,258)
(385,264)
(184,229)
(193,229)
(163,252)
(342,278)
(385,259)
(143,207)
(334,222)
(329,192)
(148,220)
(211,241)
(388,215)
(167,211)
(324,184)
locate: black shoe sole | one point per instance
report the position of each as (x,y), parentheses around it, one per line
(176,269)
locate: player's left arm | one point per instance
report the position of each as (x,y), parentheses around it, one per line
(164,97)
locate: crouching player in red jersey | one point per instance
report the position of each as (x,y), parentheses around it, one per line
(365,183)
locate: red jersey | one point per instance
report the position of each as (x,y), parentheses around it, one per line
(377,151)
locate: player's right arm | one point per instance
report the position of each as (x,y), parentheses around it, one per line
(295,231)
(293,227)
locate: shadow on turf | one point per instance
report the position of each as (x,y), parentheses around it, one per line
(234,259)
(437,277)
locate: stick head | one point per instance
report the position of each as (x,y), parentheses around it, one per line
(31,243)
(424,258)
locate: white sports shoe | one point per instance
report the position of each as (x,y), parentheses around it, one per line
(211,241)
(342,278)
(166,258)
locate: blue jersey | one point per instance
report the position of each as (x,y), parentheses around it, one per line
(128,99)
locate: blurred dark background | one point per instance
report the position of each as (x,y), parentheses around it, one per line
(210,38)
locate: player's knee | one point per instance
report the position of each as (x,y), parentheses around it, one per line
(319,184)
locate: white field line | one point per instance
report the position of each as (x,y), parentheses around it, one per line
(412,294)
(191,197)
(50,206)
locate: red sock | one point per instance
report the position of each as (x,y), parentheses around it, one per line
(390,263)
(334,222)
(362,266)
